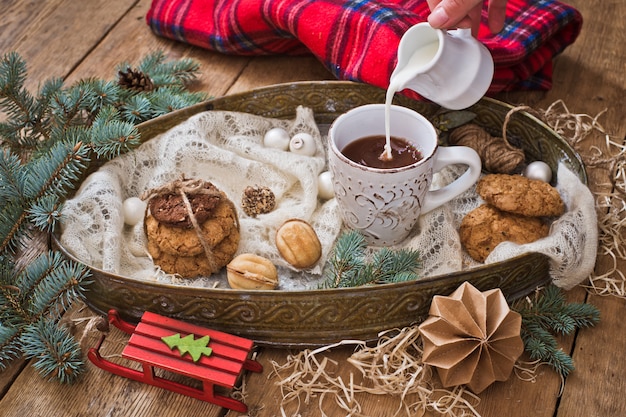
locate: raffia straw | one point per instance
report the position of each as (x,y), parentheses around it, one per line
(393,368)
(527,371)
(611,205)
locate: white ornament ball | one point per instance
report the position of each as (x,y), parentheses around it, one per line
(538,170)
(302,144)
(133,209)
(277,138)
(325,189)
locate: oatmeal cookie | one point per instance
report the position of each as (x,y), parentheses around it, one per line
(198,265)
(520,195)
(185,241)
(483,228)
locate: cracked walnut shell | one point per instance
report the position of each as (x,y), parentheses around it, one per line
(251,272)
(298,243)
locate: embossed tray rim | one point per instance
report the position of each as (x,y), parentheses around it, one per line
(314,322)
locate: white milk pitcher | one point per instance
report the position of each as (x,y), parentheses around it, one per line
(450,68)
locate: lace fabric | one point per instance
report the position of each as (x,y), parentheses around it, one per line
(227,149)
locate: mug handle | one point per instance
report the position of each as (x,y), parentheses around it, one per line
(451,156)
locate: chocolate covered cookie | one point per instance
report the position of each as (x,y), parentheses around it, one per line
(169,207)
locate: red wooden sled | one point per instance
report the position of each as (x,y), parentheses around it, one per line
(223,367)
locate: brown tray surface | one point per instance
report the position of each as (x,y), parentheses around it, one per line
(318,317)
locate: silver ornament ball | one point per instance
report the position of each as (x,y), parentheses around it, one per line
(277,138)
(538,170)
(325,189)
(133,209)
(302,144)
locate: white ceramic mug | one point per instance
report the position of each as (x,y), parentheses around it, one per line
(385,204)
(450,68)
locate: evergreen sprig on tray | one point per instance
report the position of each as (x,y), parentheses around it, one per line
(48,140)
(350,266)
(549,314)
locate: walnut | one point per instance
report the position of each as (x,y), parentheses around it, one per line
(257,200)
(298,243)
(251,272)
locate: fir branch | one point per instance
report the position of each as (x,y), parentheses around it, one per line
(57,352)
(53,174)
(64,283)
(137,109)
(548,314)
(10,176)
(70,107)
(167,99)
(31,305)
(13,226)
(111,135)
(346,260)
(48,140)
(101,94)
(45,213)
(348,265)
(57,171)
(14,99)
(13,312)
(164,73)
(396,265)
(24,126)
(10,346)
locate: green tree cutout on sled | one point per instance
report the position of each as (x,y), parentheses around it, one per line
(188,344)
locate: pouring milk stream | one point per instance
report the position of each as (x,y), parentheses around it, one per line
(450,68)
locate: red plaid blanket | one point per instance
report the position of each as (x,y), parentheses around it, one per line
(358,39)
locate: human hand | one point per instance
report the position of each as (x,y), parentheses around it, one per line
(448,14)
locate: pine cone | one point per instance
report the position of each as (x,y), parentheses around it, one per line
(135,80)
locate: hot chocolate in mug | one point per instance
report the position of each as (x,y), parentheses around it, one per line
(450,68)
(385,203)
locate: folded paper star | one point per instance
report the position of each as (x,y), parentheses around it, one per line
(472,337)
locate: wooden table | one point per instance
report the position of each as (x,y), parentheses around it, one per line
(77,39)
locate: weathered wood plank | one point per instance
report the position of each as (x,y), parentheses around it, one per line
(132,40)
(264,71)
(8,375)
(589,78)
(19,18)
(597,386)
(63,34)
